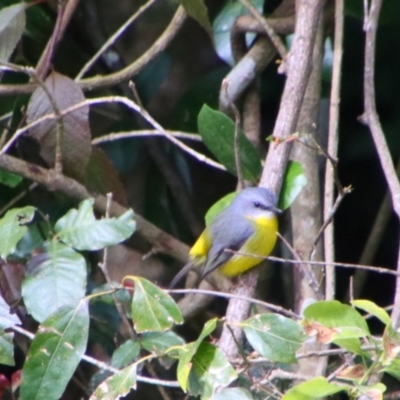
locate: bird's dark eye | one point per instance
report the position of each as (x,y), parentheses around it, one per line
(257,204)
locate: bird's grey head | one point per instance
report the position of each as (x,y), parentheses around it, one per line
(260,199)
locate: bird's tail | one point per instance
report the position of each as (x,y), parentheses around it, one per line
(182,273)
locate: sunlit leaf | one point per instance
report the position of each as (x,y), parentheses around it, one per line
(373,309)
(55,278)
(315,388)
(274,337)
(233,394)
(12,25)
(211,370)
(117,385)
(353,345)
(6,348)
(344,321)
(152,308)
(293,182)
(81,230)
(55,353)
(9,179)
(218,132)
(188,351)
(393,368)
(13,227)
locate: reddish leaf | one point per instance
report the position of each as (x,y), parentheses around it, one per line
(4,382)
(16,380)
(75,145)
(322,333)
(102,176)
(11,276)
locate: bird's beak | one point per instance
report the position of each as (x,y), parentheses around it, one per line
(277,210)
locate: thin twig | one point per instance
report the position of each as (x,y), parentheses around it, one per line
(310,274)
(113,38)
(278,309)
(329,219)
(379,270)
(112,137)
(130,104)
(160,240)
(371,117)
(236,145)
(333,139)
(44,62)
(104,268)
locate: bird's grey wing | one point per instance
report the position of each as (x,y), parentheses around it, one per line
(229,232)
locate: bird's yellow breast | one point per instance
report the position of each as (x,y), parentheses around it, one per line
(261,243)
(201,248)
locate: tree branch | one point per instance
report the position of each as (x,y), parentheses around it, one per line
(160,241)
(299,68)
(371,118)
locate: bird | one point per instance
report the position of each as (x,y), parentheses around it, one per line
(248,225)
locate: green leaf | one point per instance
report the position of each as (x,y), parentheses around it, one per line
(117,385)
(197,9)
(393,368)
(165,345)
(125,354)
(7,320)
(315,388)
(12,25)
(293,182)
(222,26)
(6,348)
(345,320)
(9,179)
(211,370)
(373,309)
(54,279)
(55,353)
(233,394)
(13,227)
(152,308)
(275,337)
(353,345)
(187,352)
(160,342)
(218,131)
(80,229)
(219,206)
